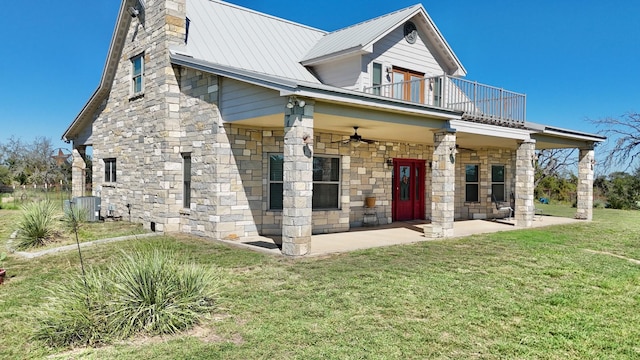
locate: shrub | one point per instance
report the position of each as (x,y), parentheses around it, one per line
(76,314)
(36,224)
(145,292)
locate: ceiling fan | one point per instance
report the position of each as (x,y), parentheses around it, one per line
(356,139)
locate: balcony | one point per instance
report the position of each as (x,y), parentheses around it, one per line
(477,102)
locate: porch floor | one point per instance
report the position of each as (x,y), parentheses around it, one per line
(392,234)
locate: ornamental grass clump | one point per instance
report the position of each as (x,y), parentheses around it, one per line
(147,293)
(37,224)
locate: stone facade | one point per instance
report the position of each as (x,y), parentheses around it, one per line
(584,206)
(141,131)
(78,168)
(485,158)
(525,185)
(443,192)
(177,116)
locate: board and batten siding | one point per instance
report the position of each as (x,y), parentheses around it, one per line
(394,50)
(240,100)
(343,73)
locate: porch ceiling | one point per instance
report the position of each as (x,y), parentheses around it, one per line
(382,126)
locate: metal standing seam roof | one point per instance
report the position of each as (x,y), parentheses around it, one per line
(358,35)
(230,35)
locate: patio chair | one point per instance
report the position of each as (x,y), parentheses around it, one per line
(502,206)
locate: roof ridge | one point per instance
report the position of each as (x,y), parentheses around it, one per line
(375,18)
(256,12)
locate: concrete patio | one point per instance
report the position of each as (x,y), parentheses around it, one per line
(393,234)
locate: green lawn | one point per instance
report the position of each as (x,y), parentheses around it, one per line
(547,293)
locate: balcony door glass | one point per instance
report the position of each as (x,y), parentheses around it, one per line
(408,85)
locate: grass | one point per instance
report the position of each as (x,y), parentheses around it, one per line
(552,293)
(87,231)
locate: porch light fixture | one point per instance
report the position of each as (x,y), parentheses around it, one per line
(133,11)
(593,162)
(293,101)
(453,151)
(534,159)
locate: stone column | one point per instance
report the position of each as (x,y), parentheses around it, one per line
(525,185)
(78,166)
(443,178)
(297,181)
(585,184)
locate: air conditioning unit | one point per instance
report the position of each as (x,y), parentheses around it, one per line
(91,204)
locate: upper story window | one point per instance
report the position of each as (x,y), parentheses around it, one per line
(376,78)
(137,74)
(110,170)
(408,85)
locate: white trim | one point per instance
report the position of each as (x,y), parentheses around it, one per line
(571,135)
(490,130)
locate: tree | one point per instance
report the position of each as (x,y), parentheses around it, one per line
(31,163)
(554,162)
(5,175)
(625,132)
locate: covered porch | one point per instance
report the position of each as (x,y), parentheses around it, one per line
(443,143)
(398,233)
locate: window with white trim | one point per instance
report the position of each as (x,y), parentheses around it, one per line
(137,74)
(497,182)
(376,78)
(326,182)
(472,183)
(110,170)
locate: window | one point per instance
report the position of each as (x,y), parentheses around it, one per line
(326,182)
(408,85)
(137,72)
(436,89)
(471,186)
(376,79)
(276,171)
(110,170)
(186,180)
(497,182)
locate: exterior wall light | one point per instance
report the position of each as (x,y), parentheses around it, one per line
(293,101)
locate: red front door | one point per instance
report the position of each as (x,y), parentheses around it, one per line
(408,189)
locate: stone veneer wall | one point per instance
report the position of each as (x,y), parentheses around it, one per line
(485,158)
(141,131)
(584,203)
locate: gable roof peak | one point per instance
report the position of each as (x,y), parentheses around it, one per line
(409,9)
(360,38)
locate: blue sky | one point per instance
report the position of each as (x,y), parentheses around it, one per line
(574,59)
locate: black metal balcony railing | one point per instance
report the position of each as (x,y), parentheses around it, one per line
(478,102)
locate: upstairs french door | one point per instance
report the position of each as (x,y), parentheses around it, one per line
(408,85)
(408,189)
